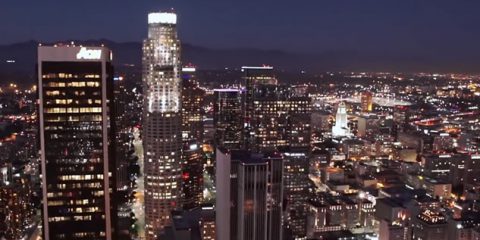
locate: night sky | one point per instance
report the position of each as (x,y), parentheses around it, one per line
(425,27)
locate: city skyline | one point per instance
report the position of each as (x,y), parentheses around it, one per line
(153,147)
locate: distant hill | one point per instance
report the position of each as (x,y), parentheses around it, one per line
(24,55)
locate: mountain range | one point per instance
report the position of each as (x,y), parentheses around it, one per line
(129,53)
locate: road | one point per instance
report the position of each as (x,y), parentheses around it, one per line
(138,207)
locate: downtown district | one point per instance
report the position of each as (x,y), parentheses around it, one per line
(166,153)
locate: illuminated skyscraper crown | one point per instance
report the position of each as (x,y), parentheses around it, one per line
(162,18)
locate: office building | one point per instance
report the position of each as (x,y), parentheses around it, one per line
(228,118)
(192,106)
(192,175)
(162,121)
(253,78)
(297,164)
(296,186)
(192,135)
(75,87)
(249,195)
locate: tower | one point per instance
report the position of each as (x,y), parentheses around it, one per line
(249,200)
(162,121)
(227,118)
(254,77)
(192,136)
(192,103)
(341,122)
(76,142)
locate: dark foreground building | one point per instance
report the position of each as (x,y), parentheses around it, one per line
(76,132)
(249,195)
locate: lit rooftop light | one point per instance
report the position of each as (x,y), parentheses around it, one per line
(258,67)
(162,17)
(188,69)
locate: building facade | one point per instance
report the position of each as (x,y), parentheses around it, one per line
(249,203)
(76,142)
(192,106)
(253,77)
(162,121)
(228,118)
(192,175)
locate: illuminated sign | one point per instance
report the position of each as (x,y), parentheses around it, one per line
(89,54)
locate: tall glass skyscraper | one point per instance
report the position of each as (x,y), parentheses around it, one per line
(162,121)
(76,142)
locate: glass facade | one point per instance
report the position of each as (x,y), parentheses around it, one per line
(228,120)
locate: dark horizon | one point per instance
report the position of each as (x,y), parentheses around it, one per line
(408,27)
(208,58)
(372,35)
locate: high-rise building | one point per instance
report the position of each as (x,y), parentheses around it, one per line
(341,122)
(228,118)
(277,118)
(297,164)
(162,121)
(192,135)
(275,115)
(253,77)
(269,120)
(366,101)
(296,185)
(249,195)
(192,106)
(192,175)
(75,86)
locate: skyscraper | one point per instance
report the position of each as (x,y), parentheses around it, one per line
(269,120)
(228,118)
(253,77)
(192,103)
(297,163)
(192,135)
(162,121)
(249,195)
(192,175)
(277,118)
(76,142)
